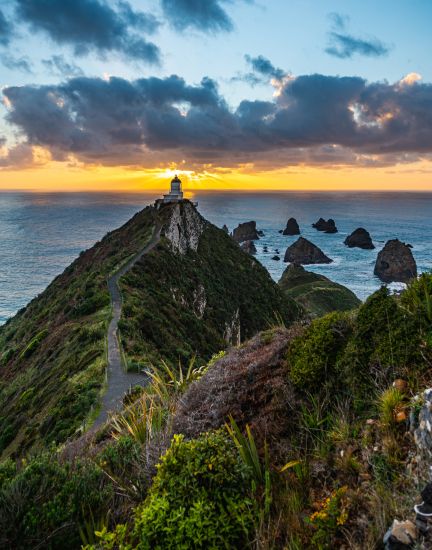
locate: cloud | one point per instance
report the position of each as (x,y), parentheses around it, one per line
(263,71)
(92,25)
(58,66)
(6,30)
(345,46)
(13,63)
(339,20)
(264,67)
(204,15)
(314,118)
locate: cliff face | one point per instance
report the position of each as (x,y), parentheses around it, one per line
(195,293)
(184,228)
(192,295)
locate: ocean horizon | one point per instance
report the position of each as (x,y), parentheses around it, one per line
(43,232)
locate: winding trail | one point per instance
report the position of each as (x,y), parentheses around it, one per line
(118,380)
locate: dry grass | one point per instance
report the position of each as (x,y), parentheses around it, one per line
(250,383)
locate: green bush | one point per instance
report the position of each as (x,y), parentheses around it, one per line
(199,499)
(45,501)
(33,344)
(313,357)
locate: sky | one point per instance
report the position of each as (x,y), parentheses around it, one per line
(231,94)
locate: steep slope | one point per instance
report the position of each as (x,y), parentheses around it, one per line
(195,292)
(317,294)
(297,438)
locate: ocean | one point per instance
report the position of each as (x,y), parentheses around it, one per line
(41,233)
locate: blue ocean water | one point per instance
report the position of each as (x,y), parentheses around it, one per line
(41,233)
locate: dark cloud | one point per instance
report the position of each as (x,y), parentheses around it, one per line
(13,63)
(58,66)
(92,25)
(6,31)
(264,67)
(204,15)
(315,118)
(345,46)
(263,71)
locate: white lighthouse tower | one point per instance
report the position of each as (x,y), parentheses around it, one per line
(176,193)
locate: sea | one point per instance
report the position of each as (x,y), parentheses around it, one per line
(41,233)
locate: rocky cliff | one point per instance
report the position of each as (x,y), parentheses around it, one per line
(194,294)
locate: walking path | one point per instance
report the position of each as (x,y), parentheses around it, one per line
(119,381)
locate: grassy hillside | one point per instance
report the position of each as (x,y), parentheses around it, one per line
(317,294)
(52,353)
(194,304)
(295,439)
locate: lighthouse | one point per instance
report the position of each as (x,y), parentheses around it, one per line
(176,193)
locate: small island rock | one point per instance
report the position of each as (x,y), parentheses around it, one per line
(305,252)
(249,247)
(328,226)
(245,232)
(292,227)
(395,263)
(276,258)
(360,238)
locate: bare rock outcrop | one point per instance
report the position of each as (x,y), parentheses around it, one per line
(395,263)
(246,231)
(359,238)
(328,226)
(184,228)
(249,247)
(292,227)
(304,252)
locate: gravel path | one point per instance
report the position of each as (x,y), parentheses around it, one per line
(119,381)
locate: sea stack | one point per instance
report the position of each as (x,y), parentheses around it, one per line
(328,226)
(395,263)
(304,252)
(360,238)
(245,232)
(292,227)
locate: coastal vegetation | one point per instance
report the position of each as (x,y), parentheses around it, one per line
(298,436)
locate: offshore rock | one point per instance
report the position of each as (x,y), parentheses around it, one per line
(225,228)
(328,226)
(305,252)
(360,238)
(245,232)
(395,263)
(292,227)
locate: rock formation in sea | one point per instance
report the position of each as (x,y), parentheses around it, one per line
(249,247)
(305,252)
(317,294)
(225,228)
(276,258)
(292,227)
(328,226)
(359,238)
(246,231)
(395,263)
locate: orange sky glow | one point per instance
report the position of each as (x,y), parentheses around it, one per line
(61,177)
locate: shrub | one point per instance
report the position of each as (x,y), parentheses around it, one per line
(391,402)
(44,502)
(199,499)
(313,357)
